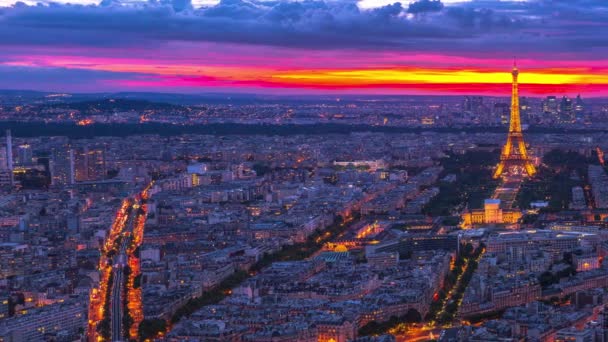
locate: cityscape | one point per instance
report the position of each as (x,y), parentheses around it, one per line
(307,171)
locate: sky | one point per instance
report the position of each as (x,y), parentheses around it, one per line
(305,46)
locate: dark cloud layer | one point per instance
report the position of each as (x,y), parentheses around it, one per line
(422,6)
(539,27)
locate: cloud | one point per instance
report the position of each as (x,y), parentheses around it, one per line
(423,6)
(534,27)
(179,5)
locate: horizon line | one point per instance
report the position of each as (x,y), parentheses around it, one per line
(288,94)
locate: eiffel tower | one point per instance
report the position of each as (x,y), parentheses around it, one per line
(514,157)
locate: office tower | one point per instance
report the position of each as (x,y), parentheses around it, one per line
(9,150)
(24,154)
(62,165)
(579,107)
(5,173)
(3,160)
(6,162)
(89,163)
(566,110)
(550,105)
(96,163)
(524,108)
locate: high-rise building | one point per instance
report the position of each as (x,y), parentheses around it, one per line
(24,154)
(579,106)
(9,150)
(3,160)
(566,111)
(62,165)
(89,163)
(6,162)
(550,105)
(5,173)
(524,108)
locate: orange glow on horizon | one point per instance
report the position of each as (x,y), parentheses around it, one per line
(534,80)
(439,76)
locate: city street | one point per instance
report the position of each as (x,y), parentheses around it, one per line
(126,230)
(117,306)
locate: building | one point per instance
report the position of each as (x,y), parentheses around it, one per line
(4,304)
(491,213)
(382,260)
(586,261)
(578,199)
(579,106)
(599,185)
(24,154)
(574,335)
(408,243)
(550,105)
(62,165)
(554,241)
(6,162)
(61,318)
(334,328)
(566,110)
(89,163)
(9,150)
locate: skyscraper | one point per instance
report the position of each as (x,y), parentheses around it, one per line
(579,105)
(9,150)
(24,154)
(550,105)
(525,109)
(89,163)
(6,162)
(62,165)
(565,109)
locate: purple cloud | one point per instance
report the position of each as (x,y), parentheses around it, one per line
(540,26)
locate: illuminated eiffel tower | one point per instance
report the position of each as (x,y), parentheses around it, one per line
(514,157)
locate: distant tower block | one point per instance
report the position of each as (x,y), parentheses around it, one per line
(514,157)
(9,150)
(9,155)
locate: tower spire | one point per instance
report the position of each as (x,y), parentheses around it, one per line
(514,156)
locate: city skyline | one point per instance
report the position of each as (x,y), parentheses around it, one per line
(303,170)
(316,47)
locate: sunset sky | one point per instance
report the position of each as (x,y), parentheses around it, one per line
(308,47)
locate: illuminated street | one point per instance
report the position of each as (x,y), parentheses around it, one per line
(419,334)
(98,296)
(134,300)
(125,235)
(117,294)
